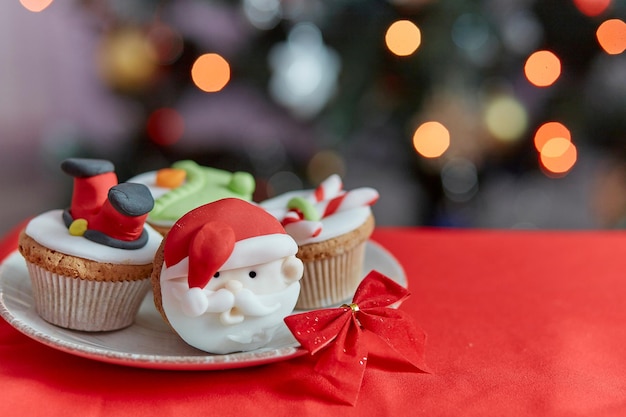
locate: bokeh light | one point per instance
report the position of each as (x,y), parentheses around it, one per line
(165,126)
(592,7)
(470,31)
(550,130)
(459,178)
(558,156)
(127,59)
(611,35)
(431,139)
(167,43)
(304,71)
(505,118)
(35,5)
(522,32)
(263,14)
(210,72)
(323,164)
(282,182)
(403,37)
(542,68)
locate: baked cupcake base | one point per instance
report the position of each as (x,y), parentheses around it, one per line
(81,294)
(68,302)
(333,268)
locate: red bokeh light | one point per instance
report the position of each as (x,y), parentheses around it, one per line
(165,126)
(592,7)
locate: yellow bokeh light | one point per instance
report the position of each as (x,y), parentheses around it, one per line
(126,59)
(323,164)
(35,5)
(505,118)
(611,35)
(403,37)
(550,130)
(558,155)
(542,68)
(431,139)
(210,72)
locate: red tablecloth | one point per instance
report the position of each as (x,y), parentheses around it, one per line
(518,323)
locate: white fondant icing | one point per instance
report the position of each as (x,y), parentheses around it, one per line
(332,226)
(259,249)
(49,230)
(149,180)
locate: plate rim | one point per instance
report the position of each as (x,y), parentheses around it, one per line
(207,361)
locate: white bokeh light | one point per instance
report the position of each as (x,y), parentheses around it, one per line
(304,71)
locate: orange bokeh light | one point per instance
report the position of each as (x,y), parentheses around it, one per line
(550,130)
(431,139)
(403,37)
(35,5)
(592,7)
(210,73)
(165,126)
(542,68)
(611,35)
(558,156)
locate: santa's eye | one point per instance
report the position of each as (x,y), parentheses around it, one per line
(252,274)
(216,275)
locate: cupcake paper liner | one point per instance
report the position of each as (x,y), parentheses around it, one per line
(331,281)
(80,304)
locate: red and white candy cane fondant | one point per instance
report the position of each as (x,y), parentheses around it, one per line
(359,197)
(329,188)
(303,214)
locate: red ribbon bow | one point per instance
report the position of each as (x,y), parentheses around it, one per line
(336,335)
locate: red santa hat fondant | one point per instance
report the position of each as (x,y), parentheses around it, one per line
(225,234)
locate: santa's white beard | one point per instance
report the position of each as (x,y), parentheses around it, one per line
(262,316)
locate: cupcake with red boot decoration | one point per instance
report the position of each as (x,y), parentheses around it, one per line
(90,264)
(226,276)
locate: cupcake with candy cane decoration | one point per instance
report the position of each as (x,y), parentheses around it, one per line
(331,226)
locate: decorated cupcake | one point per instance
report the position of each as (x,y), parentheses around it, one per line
(90,264)
(186,185)
(226,276)
(331,227)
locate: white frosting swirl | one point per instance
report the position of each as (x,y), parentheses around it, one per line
(49,230)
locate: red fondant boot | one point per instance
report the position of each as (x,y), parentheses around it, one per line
(92,180)
(120,222)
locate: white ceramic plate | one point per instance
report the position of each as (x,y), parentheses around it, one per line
(149,342)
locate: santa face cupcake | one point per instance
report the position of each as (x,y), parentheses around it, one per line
(331,227)
(90,264)
(186,185)
(226,276)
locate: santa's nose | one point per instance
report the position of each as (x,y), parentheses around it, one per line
(233,285)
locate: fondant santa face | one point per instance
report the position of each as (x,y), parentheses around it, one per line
(237,282)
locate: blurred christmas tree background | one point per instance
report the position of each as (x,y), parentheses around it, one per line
(468,113)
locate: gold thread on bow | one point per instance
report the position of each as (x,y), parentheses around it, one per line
(353,306)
